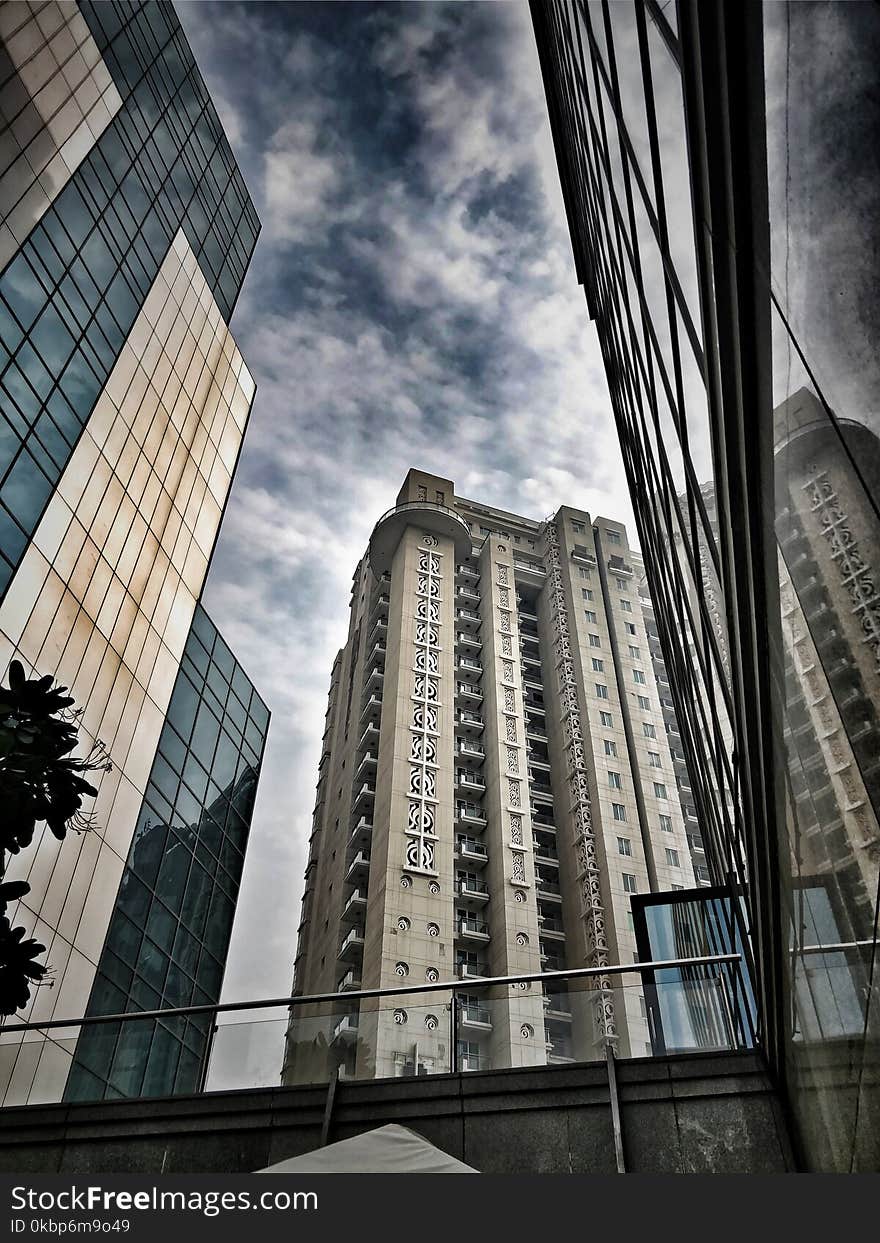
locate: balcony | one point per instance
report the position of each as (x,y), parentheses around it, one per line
(367,765)
(359,866)
(467,571)
(469,640)
(353,944)
(617,565)
(346,1029)
(370,737)
(531,681)
(468,617)
(468,692)
(539,790)
(379,628)
(547,889)
(472,970)
(582,555)
(426,516)
(374,679)
(469,667)
(473,1016)
(473,890)
(350,982)
(465,780)
(372,708)
(529,569)
(557,1008)
(526,613)
(362,833)
(546,854)
(551,926)
(470,813)
(551,962)
(355,906)
(473,1061)
(473,930)
(534,731)
(469,850)
(468,593)
(471,722)
(471,749)
(380,605)
(365,795)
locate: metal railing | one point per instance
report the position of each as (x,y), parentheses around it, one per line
(291,1002)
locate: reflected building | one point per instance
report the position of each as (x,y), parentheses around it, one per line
(126,233)
(717,210)
(495,784)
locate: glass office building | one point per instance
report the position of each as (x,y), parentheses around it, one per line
(168,938)
(125,233)
(723,221)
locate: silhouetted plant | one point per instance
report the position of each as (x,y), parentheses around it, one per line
(39,781)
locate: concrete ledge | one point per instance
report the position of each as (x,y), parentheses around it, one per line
(703,1112)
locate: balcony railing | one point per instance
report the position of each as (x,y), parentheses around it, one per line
(473,928)
(470,720)
(470,748)
(468,690)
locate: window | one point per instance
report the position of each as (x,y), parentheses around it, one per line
(601,691)
(630,628)
(590,616)
(613,536)
(638,677)
(649,730)
(578,528)
(605,719)
(654,759)
(672,858)
(624,846)
(666,824)
(644,703)
(485,531)
(659,789)
(614,780)
(610,747)
(598,665)
(677,886)
(595,641)
(629,883)
(423,493)
(583,572)
(586,593)
(619,812)
(621,584)
(626,606)
(634,652)
(440,498)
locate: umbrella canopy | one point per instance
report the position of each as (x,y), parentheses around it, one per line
(386,1150)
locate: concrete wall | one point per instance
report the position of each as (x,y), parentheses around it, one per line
(700,1114)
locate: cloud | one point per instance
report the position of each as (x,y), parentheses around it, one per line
(412,301)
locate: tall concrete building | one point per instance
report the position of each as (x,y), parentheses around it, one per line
(126,233)
(495,783)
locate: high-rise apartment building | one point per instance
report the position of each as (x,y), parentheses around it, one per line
(126,232)
(495,783)
(717,213)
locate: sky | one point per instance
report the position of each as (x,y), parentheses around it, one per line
(412,301)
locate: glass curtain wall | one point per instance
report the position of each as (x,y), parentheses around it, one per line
(743,369)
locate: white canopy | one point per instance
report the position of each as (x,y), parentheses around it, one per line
(386,1150)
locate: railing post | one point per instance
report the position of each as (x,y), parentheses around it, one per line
(206,1056)
(453,1033)
(614,1101)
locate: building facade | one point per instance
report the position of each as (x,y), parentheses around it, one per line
(717,212)
(126,232)
(495,783)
